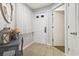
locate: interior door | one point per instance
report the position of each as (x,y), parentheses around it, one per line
(72,28)
(40,28)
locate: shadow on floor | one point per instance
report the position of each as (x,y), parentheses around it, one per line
(62,48)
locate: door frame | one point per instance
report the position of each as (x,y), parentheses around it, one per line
(53,24)
(65,24)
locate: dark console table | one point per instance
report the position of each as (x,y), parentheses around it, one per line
(13,45)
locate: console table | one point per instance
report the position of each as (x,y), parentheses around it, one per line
(13,45)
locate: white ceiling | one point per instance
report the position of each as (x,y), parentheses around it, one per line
(61,8)
(38,5)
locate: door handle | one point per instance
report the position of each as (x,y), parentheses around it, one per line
(73,33)
(45,29)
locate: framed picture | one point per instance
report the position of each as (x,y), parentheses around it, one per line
(7,11)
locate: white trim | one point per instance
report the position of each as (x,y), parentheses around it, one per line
(56,6)
(65,21)
(49,44)
(53,8)
(28,45)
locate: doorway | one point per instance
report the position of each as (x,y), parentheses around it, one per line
(58,40)
(40,28)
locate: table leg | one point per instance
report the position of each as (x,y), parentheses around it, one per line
(1,53)
(17,51)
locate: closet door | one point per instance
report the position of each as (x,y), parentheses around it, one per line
(40,28)
(72,28)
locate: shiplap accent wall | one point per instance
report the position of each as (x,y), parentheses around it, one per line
(24,22)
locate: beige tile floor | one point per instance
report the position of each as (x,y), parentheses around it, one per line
(37,49)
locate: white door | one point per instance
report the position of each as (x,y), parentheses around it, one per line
(40,28)
(72,28)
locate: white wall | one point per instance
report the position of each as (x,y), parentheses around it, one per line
(24,22)
(23,18)
(58,30)
(3,23)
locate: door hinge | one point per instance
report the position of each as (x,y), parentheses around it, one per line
(52,40)
(52,26)
(68,4)
(68,26)
(68,49)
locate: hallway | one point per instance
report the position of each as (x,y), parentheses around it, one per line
(46,29)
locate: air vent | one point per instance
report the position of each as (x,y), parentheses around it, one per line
(37,16)
(42,16)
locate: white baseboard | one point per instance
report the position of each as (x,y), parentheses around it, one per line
(28,45)
(32,43)
(49,44)
(43,43)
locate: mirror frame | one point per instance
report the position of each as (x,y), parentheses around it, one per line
(11,7)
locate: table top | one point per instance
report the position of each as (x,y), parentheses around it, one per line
(12,43)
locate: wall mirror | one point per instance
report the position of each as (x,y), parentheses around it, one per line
(7,10)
